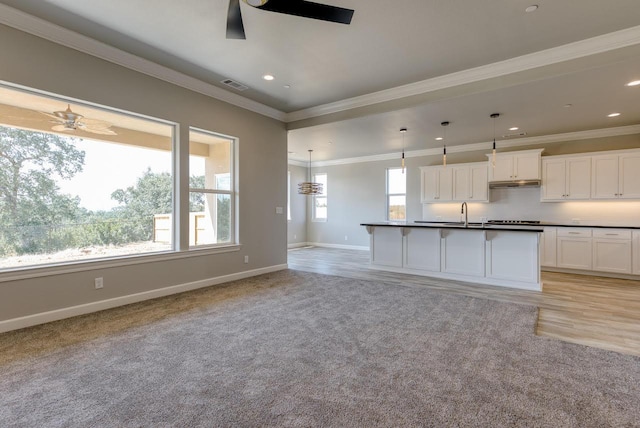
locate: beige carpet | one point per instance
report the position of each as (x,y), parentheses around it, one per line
(302,349)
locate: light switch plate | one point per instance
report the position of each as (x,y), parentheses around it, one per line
(279,210)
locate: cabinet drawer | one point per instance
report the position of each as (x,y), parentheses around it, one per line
(575,232)
(612,233)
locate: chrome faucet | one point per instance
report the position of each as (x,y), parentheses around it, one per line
(465,211)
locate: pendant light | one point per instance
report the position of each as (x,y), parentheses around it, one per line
(494,116)
(444,149)
(403,131)
(309,187)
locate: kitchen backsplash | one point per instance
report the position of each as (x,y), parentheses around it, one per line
(524,204)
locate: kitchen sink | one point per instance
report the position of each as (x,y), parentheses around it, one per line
(461,223)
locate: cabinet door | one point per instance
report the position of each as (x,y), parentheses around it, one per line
(553,179)
(503,168)
(526,167)
(461,183)
(612,255)
(445,181)
(479,183)
(430,185)
(548,247)
(635,251)
(578,181)
(629,178)
(604,177)
(574,253)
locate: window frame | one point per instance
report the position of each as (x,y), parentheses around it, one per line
(324,195)
(232,192)
(389,195)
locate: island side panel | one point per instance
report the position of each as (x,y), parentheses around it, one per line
(386,246)
(513,256)
(422,249)
(463,252)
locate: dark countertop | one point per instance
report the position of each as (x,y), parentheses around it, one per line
(454,225)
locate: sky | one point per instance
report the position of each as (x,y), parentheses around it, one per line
(109,167)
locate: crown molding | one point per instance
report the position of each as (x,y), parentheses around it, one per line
(62,36)
(487,145)
(575,50)
(297,163)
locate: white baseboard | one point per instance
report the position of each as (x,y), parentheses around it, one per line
(298,245)
(340,246)
(58,314)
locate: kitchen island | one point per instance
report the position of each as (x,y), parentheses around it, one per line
(507,256)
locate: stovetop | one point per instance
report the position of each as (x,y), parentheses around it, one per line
(525,222)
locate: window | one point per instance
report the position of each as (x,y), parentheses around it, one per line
(396,194)
(87,182)
(288,195)
(211,189)
(320,201)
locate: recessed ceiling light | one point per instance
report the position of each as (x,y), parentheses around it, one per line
(268,77)
(531,8)
(513,128)
(287,86)
(329,143)
(439,138)
(634,83)
(613,115)
(567,105)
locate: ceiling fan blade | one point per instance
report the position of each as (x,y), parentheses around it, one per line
(235,28)
(309,9)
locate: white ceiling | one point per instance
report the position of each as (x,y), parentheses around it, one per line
(389,44)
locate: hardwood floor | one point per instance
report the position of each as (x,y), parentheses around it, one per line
(589,310)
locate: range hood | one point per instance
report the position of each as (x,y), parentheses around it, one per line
(514,183)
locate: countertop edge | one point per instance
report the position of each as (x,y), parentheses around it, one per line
(535,229)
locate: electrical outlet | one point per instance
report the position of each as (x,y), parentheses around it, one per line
(279,210)
(246,259)
(295,236)
(99,283)
(346,238)
(575,220)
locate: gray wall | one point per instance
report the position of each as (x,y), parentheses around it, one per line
(357,194)
(37,63)
(297,227)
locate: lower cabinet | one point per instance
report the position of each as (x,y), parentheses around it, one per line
(509,256)
(548,247)
(463,252)
(574,248)
(422,249)
(612,250)
(386,246)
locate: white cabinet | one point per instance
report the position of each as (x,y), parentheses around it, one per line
(573,248)
(422,249)
(612,250)
(470,182)
(512,256)
(436,184)
(566,178)
(463,252)
(548,247)
(635,251)
(458,182)
(616,176)
(524,165)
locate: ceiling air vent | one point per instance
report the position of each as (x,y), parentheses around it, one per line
(235,85)
(518,134)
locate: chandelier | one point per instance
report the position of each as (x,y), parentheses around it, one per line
(309,187)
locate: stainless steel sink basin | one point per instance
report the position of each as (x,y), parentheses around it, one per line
(461,224)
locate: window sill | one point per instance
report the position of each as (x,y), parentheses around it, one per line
(111,262)
(319,220)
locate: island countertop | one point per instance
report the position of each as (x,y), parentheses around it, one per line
(456,225)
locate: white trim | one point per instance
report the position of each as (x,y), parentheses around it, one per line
(339,246)
(526,141)
(571,51)
(58,314)
(62,36)
(112,262)
(297,163)
(298,245)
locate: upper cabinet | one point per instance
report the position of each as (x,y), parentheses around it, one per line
(437,184)
(566,178)
(522,165)
(616,176)
(458,182)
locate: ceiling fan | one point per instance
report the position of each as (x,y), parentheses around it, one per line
(69,121)
(306,9)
